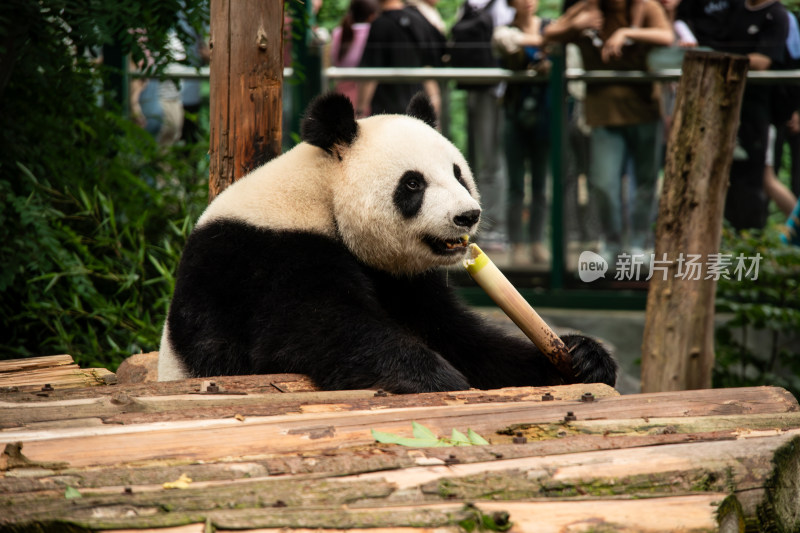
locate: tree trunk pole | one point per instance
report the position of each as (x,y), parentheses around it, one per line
(246,79)
(678,344)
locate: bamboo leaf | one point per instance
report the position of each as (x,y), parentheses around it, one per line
(71,493)
(459,439)
(385,438)
(391,438)
(476,439)
(421,432)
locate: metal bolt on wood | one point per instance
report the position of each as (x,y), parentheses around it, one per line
(570,417)
(587,397)
(47,388)
(209,386)
(547,397)
(519,438)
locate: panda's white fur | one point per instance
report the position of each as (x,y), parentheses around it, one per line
(355,326)
(170,367)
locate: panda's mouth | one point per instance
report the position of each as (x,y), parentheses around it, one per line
(447,246)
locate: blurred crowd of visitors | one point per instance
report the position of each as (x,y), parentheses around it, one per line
(617,130)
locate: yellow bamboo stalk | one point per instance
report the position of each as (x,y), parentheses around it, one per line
(494,282)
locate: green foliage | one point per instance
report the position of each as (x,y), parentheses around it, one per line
(87,269)
(755,346)
(92,212)
(425,438)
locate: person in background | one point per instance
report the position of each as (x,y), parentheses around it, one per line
(624,117)
(787,119)
(348,40)
(757,29)
(520,47)
(789,134)
(169,96)
(191,95)
(398,37)
(436,43)
(775,190)
(485,126)
(791,231)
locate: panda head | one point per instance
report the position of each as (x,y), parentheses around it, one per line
(403,196)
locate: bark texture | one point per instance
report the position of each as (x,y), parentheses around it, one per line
(678,344)
(246,79)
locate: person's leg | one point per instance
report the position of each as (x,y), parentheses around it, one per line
(745,203)
(486,133)
(793,141)
(515,150)
(644,141)
(538,157)
(606,161)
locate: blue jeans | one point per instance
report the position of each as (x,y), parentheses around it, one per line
(610,145)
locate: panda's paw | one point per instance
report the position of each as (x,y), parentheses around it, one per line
(591,362)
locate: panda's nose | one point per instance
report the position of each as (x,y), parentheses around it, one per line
(467,218)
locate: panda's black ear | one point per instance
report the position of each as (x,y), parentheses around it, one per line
(421,107)
(330,120)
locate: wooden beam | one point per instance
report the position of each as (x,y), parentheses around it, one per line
(129,405)
(57,371)
(246,78)
(253,436)
(678,343)
(653,515)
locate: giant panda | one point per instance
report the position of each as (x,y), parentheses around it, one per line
(326,262)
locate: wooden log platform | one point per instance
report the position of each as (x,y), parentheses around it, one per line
(272,453)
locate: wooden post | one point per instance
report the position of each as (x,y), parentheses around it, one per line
(678,344)
(246,79)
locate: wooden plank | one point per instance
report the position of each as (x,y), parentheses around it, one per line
(57,371)
(118,406)
(742,464)
(32,363)
(657,515)
(668,514)
(654,515)
(254,436)
(262,384)
(734,425)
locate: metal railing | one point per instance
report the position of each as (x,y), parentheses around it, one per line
(491,76)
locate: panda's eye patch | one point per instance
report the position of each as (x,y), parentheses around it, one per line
(410,192)
(459,177)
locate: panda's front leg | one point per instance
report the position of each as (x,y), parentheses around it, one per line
(392,361)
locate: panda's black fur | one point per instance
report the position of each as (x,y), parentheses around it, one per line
(257,300)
